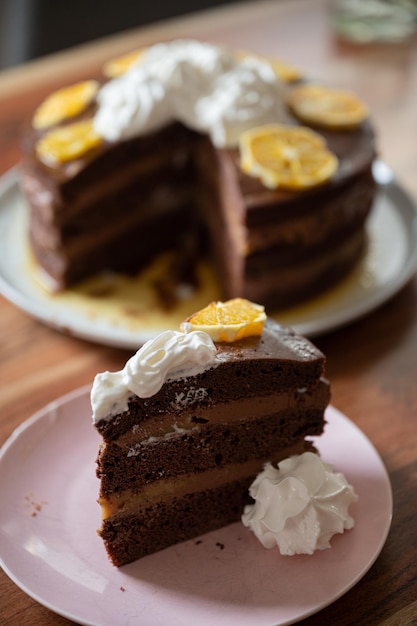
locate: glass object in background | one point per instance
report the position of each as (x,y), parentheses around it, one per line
(369,21)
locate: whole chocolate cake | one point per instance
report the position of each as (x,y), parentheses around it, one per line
(189,423)
(118,170)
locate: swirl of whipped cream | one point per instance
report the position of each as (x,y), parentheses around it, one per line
(300,505)
(205,87)
(169,356)
(109,395)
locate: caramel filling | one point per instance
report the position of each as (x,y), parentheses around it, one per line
(192,414)
(164,490)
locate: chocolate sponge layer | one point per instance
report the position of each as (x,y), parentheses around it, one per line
(204,448)
(279,362)
(128,537)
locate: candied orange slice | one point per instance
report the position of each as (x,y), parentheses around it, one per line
(327,107)
(286,72)
(228,321)
(120,65)
(283,70)
(64,104)
(291,157)
(68,142)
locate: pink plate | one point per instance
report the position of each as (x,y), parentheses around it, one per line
(50,549)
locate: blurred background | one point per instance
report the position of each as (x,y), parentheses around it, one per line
(33,28)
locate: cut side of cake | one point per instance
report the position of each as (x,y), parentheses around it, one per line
(116,210)
(177,459)
(156,174)
(278,246)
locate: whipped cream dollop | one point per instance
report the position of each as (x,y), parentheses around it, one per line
(300,505)
(205,87)
(169,356)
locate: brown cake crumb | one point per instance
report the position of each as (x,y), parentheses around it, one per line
(33,506)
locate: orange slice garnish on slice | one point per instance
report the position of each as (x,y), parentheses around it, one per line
(64,104)
(228,321)
(327,107)
(120,65)
(68,142)
(290,157)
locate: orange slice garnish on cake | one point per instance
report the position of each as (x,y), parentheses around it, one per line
(284,71)
(120,65)
(327,107)
(64,104)
(228,321)
(290,157)
(67,143)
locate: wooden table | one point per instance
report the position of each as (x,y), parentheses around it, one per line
(372,363)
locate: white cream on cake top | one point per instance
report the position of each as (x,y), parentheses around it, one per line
(300,505)
(205,87)
(169,356)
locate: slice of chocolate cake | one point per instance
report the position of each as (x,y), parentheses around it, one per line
(189,423)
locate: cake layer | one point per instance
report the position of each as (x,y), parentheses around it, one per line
(189,411)
(285,362)
(164,489)
(109,248)
(131,536)
(206,446)
(104,204)
(281,286)
(326,221)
